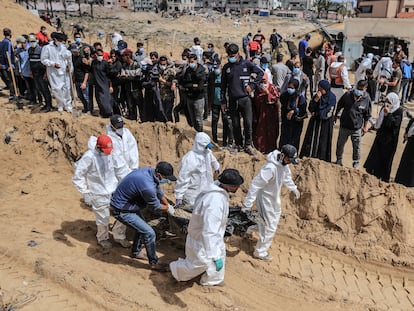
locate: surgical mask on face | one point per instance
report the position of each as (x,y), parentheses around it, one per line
(141,50)
(144,67)
(291,91)
(19,45)
(162,67)
(232,59)
(263,85)
(99,58)
(358,92)
(209,49)
(119,131)
(209,146)
(296,71)
(33,44)
(78,40)
(192,65)
(217,72)
(265,66)
(163,181)
(398,49)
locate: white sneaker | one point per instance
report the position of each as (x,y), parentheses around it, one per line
(264,258)
(124,242)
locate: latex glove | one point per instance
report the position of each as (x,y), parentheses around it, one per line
(219,264)
(218,171)
(178,202)
(87,198)
(297,194)
(171,210)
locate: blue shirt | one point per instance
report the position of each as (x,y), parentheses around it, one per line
(303,45)
(138,189)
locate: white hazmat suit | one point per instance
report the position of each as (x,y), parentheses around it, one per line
(205,238)
(364,65)
(125,146)
(97,176)
(59,78)
(196,170)
(265,189)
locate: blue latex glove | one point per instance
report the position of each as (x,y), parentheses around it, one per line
(219,264)
(178,202)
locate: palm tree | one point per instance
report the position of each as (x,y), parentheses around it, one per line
(322,6)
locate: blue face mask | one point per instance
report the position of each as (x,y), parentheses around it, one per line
(291,91)
(263,85)
(296,71)
(144,67)
(209,146)
(358,92)
(192,65)
(163,181)
(209,49)
(232,59)
(141,50)
(78,40)
(265,66)
(217,72)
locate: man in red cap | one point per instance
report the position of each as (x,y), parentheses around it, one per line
(96,176)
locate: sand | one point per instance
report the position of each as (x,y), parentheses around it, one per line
(345,245)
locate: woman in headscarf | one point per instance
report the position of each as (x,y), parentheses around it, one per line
(318,137)
(405,172)
(388,125)
(266,111)
(293,112)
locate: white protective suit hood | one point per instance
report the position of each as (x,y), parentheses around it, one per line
(125,146)
(196,170)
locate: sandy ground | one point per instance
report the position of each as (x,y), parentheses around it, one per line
(347,244)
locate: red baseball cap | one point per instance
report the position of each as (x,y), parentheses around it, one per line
(104,143)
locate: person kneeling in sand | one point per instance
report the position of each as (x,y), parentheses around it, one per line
(204,248)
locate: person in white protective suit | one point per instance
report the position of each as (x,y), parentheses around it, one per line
(204,248)
(58,61)
(123,141)
(96,176)
(364,65)
(196,171)
(115,38)
(265,189)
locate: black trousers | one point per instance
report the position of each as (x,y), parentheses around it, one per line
(242,107)
(42,86)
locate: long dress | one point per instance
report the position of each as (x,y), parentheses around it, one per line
(266,120)
(405,172)
(381,155)
(103,96)
(318,137)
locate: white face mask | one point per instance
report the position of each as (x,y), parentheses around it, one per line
(99,58)
(19,45)
(33,44)
(162,67)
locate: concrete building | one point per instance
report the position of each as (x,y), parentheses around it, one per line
(180,5)
(377,35)
(384,8)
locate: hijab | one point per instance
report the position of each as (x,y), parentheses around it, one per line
(395,104)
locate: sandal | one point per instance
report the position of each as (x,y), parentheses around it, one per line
(160,267)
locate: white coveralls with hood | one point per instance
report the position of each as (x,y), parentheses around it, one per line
(196,170)
(364,65)
(125,146)
(59,78)
(205,238)
(265,189)
(96,176)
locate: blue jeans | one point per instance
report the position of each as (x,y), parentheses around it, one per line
(144,234)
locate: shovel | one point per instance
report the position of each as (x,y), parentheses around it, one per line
(75,111)
(19,104)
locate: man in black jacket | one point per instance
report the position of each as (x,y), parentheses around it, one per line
(239,78)
(193,82)
(356,112)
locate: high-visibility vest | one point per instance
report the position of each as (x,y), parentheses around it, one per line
(335,74)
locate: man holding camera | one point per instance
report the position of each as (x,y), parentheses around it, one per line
(356,112)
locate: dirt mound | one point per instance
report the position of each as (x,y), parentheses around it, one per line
(20,20)
(351,211)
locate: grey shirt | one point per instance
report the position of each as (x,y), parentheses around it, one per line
(279,72)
